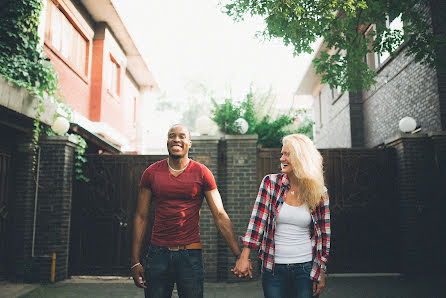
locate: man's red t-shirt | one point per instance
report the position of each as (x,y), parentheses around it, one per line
(177,201)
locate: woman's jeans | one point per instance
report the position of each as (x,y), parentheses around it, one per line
(164,268)
(288,280)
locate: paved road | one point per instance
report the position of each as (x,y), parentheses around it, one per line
(345,287)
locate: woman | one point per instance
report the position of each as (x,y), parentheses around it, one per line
(290,224)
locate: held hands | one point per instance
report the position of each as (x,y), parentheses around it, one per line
(138,276)
(243,267)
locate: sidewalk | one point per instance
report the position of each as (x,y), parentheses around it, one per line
(337,286)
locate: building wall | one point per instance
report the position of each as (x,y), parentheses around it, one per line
(75,85)
(332,117)
(403,88)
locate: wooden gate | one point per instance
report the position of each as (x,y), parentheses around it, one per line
(102,214)
(363,200)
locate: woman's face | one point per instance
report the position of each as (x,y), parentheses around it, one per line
(285,161)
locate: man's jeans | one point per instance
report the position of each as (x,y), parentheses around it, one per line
(288,280)
(164,268)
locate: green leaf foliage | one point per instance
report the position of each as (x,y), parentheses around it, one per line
(270,130)
(23,62)
(342,24)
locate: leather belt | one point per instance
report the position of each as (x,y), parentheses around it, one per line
(196,245)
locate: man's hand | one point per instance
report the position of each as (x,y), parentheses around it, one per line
(318,287)
(243,267)
(138,276)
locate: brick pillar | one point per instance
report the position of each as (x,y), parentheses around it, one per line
(438,224)
(54,204)
(205,150)
(415,178)
(239,164)
(23,209)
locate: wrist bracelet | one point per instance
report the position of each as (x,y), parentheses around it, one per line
(135,265)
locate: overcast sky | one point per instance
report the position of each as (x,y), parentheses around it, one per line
(184,41)
(190,43)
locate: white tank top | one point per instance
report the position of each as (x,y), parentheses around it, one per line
(292,236)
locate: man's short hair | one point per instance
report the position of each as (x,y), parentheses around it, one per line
(179,124)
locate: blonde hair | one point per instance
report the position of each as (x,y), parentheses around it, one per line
(306,162)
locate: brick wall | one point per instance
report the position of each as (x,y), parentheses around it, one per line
(240,192)
(23,209)
(439,27)
(52,232)
(233,161)
(54,202)
(205,151)
(403,88)
(333,128)
(419,204)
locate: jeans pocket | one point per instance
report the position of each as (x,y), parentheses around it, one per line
(195,259)
(307,267)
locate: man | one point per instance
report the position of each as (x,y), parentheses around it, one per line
(177,186)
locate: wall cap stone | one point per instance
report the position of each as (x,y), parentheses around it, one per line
(437,134)
(19,99)
(205,139)
(405,136)
(59,140)
(240,137)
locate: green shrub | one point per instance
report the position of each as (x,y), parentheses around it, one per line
(270,130)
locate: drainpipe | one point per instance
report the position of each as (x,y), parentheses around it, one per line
(35,202)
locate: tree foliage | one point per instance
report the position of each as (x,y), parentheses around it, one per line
(341,24)
(270,130)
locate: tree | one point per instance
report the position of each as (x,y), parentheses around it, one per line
(342,25)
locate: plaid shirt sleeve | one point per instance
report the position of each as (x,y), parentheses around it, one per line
(259,216)
(325,228)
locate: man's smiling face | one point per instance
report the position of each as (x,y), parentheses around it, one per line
(178,141)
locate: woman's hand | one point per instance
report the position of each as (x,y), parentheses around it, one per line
(138,276)
(318,287)
(243,266)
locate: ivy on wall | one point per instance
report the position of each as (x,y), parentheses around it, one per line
(23,62)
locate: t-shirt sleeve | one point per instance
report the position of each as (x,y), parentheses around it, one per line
(146,178)
(208,179)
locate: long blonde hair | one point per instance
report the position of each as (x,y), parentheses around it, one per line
(306,162)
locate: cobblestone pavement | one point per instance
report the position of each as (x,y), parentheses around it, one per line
(345,287)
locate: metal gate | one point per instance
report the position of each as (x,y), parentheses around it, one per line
(363,199)
(102,214)
(5,180)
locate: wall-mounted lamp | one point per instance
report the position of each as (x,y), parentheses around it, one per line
(204,124)
(407,124)
(60,125)
(242,124)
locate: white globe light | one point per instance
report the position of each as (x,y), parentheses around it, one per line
(203,124)
(60,125)
(242,125)
(407,124)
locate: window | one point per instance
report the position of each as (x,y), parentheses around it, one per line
(65,38)
(335,94)
(375,60)
(114,77)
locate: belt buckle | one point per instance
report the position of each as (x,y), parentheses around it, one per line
(175,248)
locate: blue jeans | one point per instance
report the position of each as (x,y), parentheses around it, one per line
(164,268)
(288,281)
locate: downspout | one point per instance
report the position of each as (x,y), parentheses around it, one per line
(36,192)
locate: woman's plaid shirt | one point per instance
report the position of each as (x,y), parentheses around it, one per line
(260,233)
